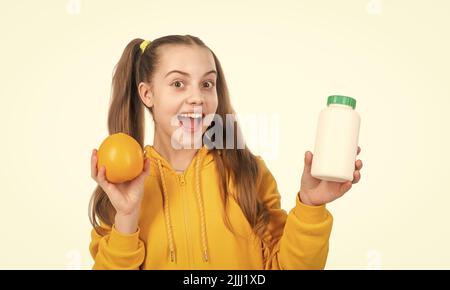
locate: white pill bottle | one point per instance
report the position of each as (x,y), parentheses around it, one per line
(336,141)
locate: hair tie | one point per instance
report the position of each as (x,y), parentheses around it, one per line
(144,45)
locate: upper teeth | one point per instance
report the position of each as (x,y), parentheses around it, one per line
(191,115)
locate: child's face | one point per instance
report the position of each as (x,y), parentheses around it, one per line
(184,81)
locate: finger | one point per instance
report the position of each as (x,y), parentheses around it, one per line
(94,165)
(345,187)
(109,188)
(358,151)
(356,176)
(146,170)
(358,164)
(308,162)
(146,166)
(101,178)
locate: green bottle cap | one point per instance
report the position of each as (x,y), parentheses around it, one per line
(342,100)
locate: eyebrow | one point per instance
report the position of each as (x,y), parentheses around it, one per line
(186,74)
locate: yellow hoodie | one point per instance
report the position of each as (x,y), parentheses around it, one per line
(181,226)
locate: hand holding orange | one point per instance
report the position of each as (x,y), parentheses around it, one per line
(122,157)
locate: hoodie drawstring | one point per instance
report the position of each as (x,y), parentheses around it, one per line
(167,214)
(202,210)
(199,195)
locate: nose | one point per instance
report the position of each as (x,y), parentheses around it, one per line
(195,98)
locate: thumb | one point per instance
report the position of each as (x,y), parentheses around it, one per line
(146,169)
(308,161)
(145,172)
(346,186)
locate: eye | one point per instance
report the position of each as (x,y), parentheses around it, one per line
(177,84)
(208,84)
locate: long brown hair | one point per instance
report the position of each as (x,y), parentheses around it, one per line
(126,114)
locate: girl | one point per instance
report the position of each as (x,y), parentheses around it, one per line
(197,208)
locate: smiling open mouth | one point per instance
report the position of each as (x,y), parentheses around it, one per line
(191,122)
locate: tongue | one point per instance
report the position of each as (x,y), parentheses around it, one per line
(189,123)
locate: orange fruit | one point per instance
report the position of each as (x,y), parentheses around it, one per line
(122,157)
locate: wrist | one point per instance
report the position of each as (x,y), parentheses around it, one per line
(126,223)
(306,200)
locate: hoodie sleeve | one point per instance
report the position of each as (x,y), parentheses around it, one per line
(115,250)
(298,240)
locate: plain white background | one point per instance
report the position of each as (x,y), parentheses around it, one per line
(280,58)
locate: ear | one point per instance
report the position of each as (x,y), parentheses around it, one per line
(146,94)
